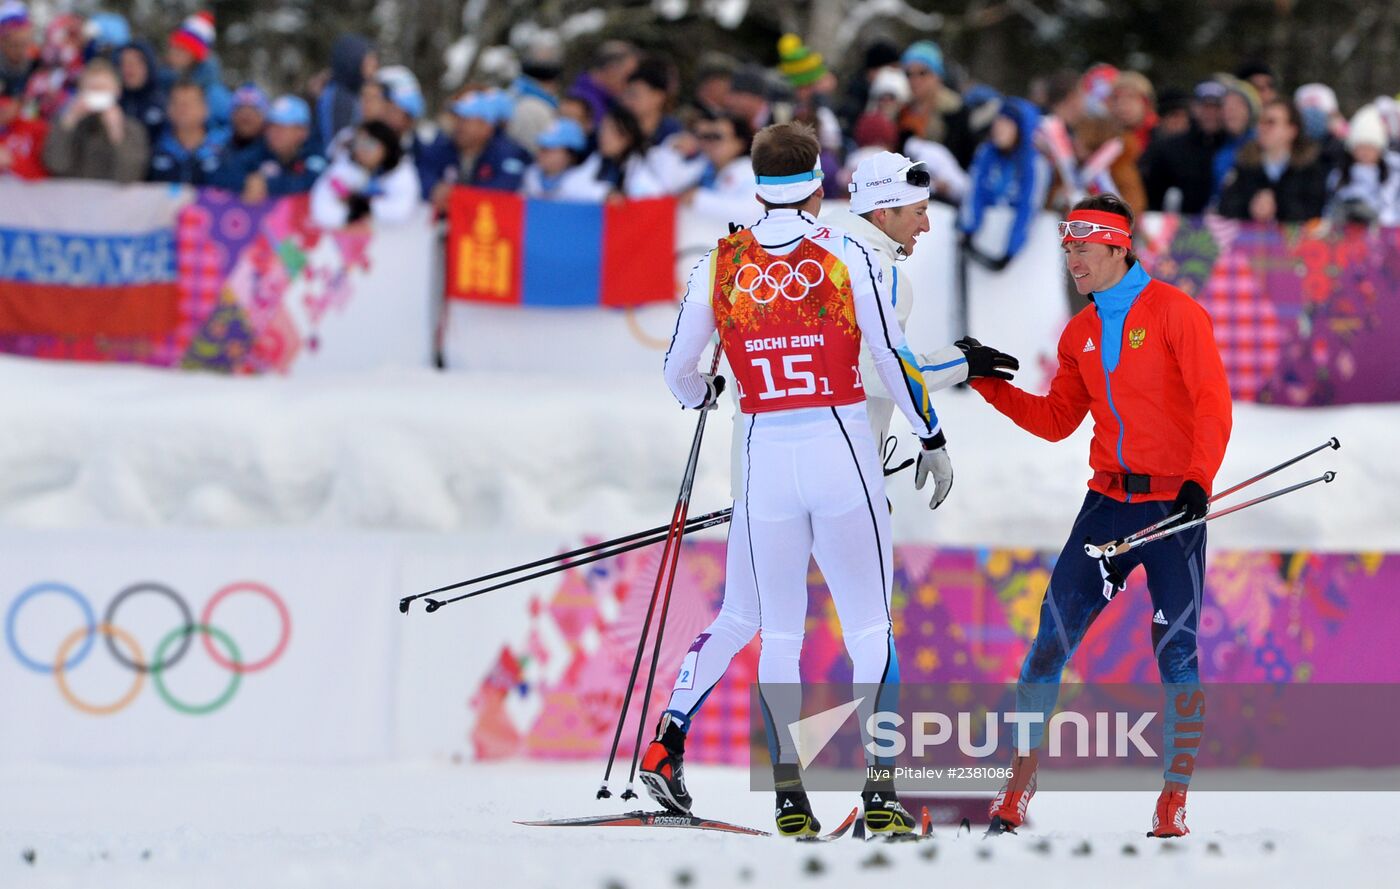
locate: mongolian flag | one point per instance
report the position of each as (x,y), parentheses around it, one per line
(506,250)
(84,259)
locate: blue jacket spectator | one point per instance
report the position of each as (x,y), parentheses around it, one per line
(188,151)
(284,161)
(191,57)
(486,156)
(142,96)
(353,59)
(433,154)
(1007,171)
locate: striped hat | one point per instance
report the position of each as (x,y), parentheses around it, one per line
(195,35)
(13,14)
(799,64)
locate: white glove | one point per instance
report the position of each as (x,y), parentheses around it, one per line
(933,459)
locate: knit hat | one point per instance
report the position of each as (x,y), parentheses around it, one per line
(13,14)
(1367,128)
(195,35)
(1316,95)
(108,30)
(289,111)
(925,53)
(750,81)
(1096,85)
(1244,90)
(402,90)
(880,54)
(492,106)
(891,82)
(874,128)
(799,64)
(250,95)
(563,133)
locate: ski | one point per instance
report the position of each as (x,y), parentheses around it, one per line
(840,830)
(649,819)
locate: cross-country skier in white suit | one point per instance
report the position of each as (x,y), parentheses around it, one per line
(890,197)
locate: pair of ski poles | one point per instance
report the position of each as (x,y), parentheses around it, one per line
(1168,526)
(563,561)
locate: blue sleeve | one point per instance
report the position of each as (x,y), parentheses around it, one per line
(970,218)
(220,102)
(1028,202)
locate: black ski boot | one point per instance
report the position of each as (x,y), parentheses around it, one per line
(884,814)
(663,770)
(794,813)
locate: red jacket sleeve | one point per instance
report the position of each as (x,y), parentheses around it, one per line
(1052,417)
(1192,341)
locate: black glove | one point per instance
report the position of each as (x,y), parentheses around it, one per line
(715,388)
(357,207)
(984,361)
(1191,500)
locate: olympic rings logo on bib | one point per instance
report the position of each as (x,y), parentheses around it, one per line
(73,651)
(764,281)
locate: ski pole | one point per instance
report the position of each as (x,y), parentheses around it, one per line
(1117,549)
(1098,552)
(669,556)
(593,555)
(695,524)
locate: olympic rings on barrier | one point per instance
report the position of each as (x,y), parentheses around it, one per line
(766,277)
(179,638)
(111,618)
(282,640)
(60,674)
(223,698)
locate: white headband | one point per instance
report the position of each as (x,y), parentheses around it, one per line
(790,189)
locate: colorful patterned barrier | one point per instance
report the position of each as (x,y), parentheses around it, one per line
(959,614)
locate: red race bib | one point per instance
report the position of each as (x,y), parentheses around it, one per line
(787,324)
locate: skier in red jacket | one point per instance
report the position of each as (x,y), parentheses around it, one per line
(1142,359)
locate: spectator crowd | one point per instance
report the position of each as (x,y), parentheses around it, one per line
(86,98)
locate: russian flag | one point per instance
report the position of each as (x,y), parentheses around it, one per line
(506,250)
(85,259)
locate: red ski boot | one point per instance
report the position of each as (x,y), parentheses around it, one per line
(1008,810)
(1169,819)
(663,771)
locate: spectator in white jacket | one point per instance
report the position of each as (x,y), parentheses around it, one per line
(373,180)
(619,168)
(727,179)
(1366,188)
(561,146)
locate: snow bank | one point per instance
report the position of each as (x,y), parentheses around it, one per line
(103,446)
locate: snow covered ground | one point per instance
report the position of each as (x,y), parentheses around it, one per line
(439,825)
